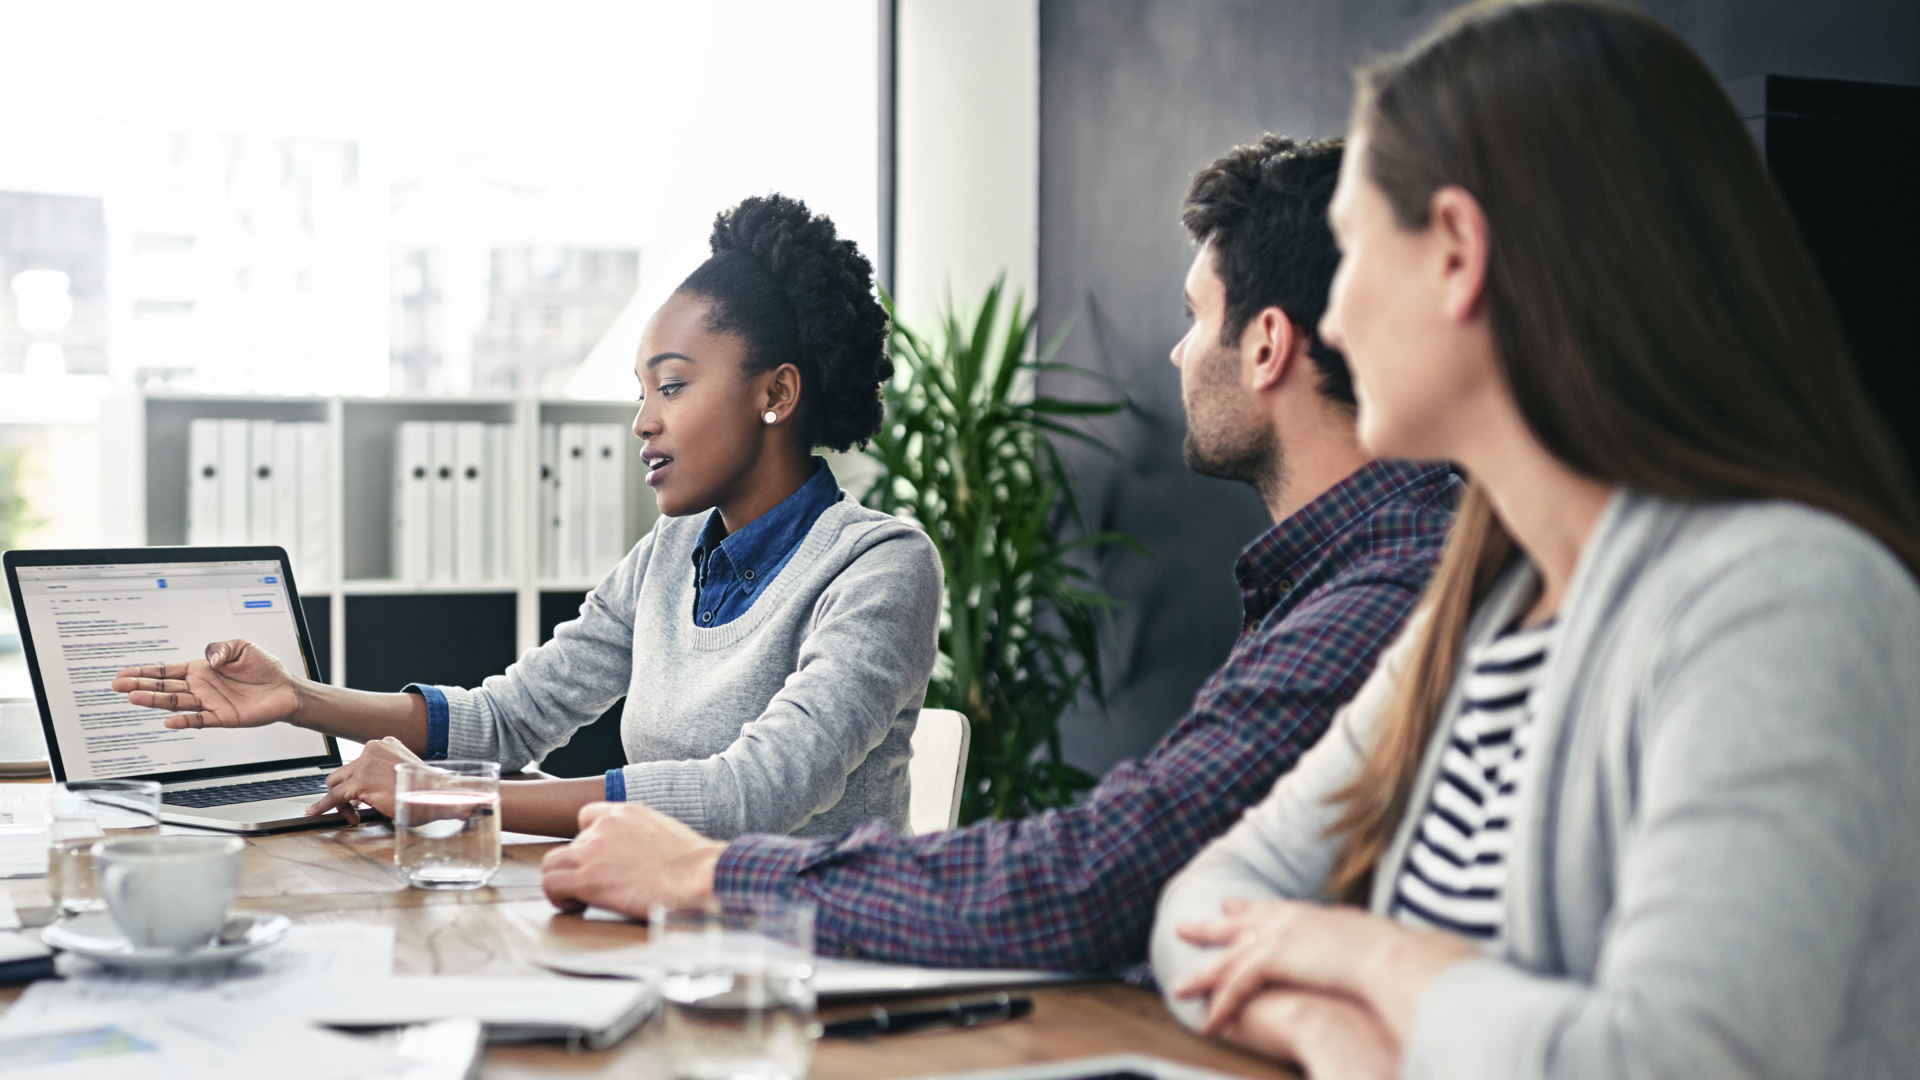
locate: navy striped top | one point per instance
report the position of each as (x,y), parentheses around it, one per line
(1456,871)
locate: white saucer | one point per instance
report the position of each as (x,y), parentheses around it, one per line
(97,938)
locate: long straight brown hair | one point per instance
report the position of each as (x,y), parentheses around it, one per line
(1658,320)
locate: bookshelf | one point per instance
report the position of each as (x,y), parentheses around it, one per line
(374,632)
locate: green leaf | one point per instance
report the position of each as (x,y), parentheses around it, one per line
(968,452)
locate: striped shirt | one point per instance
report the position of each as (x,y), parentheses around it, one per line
(1456,870)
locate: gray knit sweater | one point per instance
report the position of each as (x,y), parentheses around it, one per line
(793,718)
(1715,862)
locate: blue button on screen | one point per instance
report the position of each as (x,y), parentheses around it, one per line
(163,583)
(271,580)
(259,603)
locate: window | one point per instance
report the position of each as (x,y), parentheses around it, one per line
(440,197)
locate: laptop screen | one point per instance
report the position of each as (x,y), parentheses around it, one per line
(88,622)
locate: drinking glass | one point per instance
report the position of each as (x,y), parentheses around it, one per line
(81,813)
(446,823)
(737,1000)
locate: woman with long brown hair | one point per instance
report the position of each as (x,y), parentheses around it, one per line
(1638,791)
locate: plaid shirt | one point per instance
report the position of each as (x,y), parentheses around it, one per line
(1074,889)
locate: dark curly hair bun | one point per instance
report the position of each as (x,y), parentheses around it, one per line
(781,279)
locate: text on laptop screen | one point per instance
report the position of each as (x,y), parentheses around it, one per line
(88,622)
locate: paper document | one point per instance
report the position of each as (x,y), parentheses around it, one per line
(206,1025)
(90,992)
(23,828)
(832,977)
(23,851)
(175,1046)
(17,945)
(596,1013)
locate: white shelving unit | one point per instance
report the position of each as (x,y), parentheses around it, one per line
(143,455)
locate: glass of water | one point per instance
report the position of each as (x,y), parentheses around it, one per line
(81,813)
(446,823)
(736,989)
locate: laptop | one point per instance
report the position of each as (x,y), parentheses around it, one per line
(87,613)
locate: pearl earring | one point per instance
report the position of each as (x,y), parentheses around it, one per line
(770,417)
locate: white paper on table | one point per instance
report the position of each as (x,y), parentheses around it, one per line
(596,1012)
(158,1044)
(24,804)
(508,839)
(207,1025)
(27,804)
(91,993)
(832,977)
(21,945)
(23,828)
(23,851)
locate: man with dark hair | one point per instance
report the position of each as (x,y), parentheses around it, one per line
(1323,592)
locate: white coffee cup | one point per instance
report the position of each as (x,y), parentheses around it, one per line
(169,892)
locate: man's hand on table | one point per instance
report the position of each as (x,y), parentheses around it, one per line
(629,857)
(367,778)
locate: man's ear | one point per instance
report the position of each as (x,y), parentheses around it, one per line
(1266,347)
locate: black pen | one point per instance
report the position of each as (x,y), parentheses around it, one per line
(953,1014)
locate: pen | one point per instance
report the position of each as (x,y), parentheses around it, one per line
(953,1014)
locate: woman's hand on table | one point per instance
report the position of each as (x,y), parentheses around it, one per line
(1332,1037)
(368,779)
(237,685)
(1342,952)
(629,857)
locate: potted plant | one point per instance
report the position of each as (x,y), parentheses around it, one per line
(965,453)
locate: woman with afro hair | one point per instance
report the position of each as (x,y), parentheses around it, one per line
(773,638)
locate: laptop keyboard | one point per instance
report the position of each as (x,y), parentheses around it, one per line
(258,791)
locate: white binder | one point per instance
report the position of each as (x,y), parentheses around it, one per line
(441,502)
(546,526)
(316,495)
(203,482)
(260,482)
(472,475)
(286,494)
(572,530)
(233,481)
(606,498)
(412,499)
(503,506)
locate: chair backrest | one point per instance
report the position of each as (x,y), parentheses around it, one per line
(938,766)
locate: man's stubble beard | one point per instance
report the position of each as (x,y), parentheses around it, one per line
(1226,438)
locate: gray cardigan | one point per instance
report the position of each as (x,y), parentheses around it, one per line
(1715,868)
(795,717)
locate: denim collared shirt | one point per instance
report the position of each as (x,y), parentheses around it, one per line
(729,571)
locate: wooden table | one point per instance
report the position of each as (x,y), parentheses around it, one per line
(346,875)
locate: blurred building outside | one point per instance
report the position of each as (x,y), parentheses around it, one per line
(419,197)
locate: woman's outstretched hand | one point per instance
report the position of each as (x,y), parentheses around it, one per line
(237,685)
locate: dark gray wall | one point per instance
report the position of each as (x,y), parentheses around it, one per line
(1135,95)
